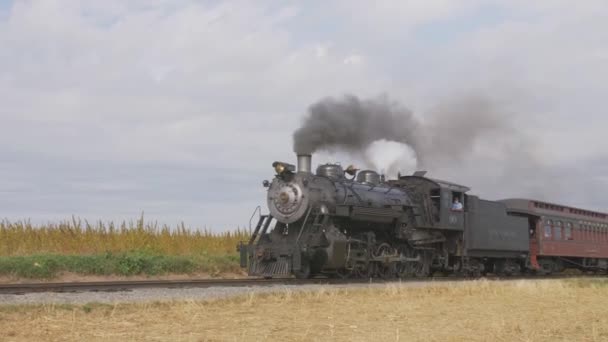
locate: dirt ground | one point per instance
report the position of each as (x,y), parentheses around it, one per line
(560,310)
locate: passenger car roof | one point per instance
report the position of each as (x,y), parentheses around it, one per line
(530,206)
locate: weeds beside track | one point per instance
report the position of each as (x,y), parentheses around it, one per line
(128,248)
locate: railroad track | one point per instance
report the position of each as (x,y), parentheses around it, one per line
(128,285)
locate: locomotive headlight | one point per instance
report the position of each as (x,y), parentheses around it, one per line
(281,167)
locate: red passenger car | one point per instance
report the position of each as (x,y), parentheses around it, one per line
(563,237)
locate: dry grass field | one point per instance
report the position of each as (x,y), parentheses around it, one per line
(474,311)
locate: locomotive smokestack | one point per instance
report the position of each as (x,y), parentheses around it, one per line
(304,163)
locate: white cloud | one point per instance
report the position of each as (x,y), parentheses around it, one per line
(353,59)
(321,50)
(387,19)
(129,87)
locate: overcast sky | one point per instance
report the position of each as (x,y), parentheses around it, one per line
(178,108)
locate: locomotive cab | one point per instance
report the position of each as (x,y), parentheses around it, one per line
(436,201)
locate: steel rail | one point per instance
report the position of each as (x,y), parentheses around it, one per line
(126,285)
(129,285)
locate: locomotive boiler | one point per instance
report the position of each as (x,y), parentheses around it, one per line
(337,221)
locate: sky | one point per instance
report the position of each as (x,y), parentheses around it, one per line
(177,108)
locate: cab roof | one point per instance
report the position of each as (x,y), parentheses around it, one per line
(438,182)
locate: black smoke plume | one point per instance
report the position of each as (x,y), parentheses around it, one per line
(472,139)
(352,124)
(447,133)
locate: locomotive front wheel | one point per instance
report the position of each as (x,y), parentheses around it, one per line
(304,272)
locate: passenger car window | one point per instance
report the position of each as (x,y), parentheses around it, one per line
(568,231)
(548,229)
(558,233)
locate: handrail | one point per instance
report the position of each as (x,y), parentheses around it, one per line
(303,225)
(257,209)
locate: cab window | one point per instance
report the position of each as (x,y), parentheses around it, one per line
(436,203)
(457,201)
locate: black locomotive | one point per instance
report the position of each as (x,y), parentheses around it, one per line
(351,223)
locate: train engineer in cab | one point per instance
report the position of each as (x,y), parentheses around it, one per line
(457,205)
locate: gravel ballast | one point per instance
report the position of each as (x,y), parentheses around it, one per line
(202,294)
(169,294)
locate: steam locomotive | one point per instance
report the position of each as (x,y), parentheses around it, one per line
(356,224)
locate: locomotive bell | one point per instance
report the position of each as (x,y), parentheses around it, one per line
(351,170)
